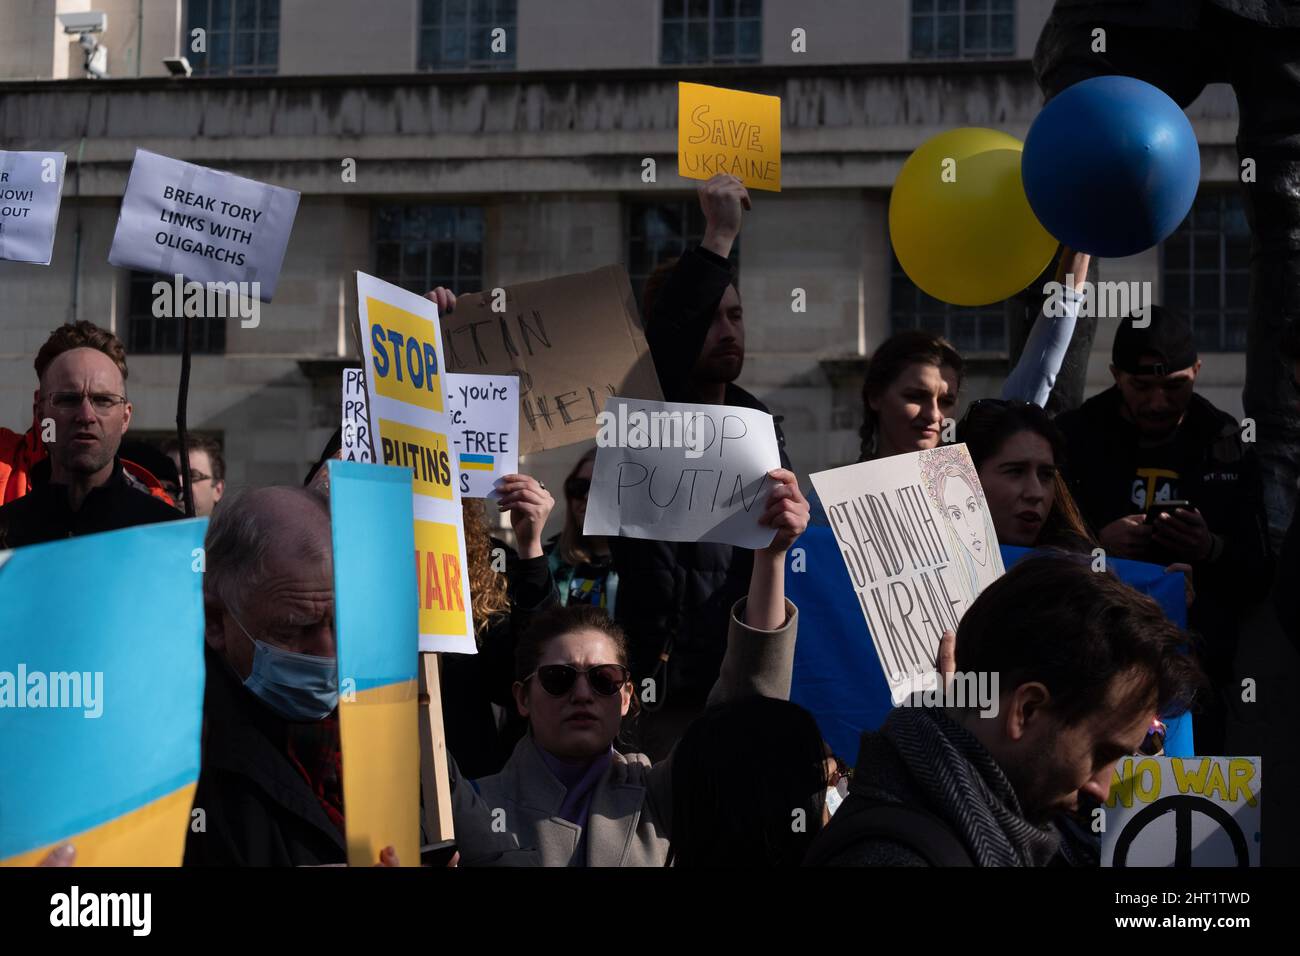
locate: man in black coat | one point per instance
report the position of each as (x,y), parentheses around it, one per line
(81,406)
(675,597)
(1150,439)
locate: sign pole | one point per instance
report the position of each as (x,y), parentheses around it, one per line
(434,779)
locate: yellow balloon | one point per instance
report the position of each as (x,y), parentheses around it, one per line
(959,220)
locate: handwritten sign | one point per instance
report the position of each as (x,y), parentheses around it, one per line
(1188,811)
(31,185)
(209,226)
(917,538)
(573,341)
(410,426)
(485,430)
(677,472)
(356,419)
(728,131)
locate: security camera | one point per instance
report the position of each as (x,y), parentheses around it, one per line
(177,65)
(78,23)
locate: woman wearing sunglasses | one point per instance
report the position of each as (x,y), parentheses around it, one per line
(582,565)
(566,797)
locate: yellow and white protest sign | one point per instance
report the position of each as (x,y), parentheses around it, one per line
(729,131)
(411,425)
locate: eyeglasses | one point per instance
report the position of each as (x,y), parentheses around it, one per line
(101,401)
(577,487)
(558,679)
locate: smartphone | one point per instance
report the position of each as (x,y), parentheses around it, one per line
(437,854)
(1158,508)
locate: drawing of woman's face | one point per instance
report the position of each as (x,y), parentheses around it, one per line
(961,508)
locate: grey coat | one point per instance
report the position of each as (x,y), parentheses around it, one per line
(512,819)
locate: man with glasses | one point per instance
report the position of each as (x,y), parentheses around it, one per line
(81,413)
(207,472)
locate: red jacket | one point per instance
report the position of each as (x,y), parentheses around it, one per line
(19,453)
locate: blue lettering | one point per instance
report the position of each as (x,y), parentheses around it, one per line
(380,358)
(397,338)
(430,364)
(413,363)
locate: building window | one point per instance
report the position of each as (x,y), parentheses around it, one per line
(420,247)
(660,231)
(963,29)
(968,328)
(711,31)
(147,335)
(243,37)
(1205,268)
(457,34)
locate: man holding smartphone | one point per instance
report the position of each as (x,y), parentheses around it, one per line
(1162,475)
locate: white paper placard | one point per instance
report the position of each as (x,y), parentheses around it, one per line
(485,429)
(31,187)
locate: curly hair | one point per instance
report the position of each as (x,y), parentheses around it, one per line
(81,335)
(948,461)
(489,596)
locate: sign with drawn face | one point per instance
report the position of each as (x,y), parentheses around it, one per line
(917,538)
(1183,812)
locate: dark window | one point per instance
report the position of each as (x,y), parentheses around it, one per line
(963,29)
(457,34)
(422,246)
(660,231)
(1205,268)
(711,31)
(968,328)
(149,335)
(243,36)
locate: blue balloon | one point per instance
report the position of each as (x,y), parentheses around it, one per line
(1111,166)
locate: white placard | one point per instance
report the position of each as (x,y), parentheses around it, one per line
(411,427)
(484,430)
(1183,811)
(209,226)
(679,472)
(917,538)
(356,419)
(31,186)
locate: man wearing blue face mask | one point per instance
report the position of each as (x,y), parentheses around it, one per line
(270,787)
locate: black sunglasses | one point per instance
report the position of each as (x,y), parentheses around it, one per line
(577,487)
(558,679)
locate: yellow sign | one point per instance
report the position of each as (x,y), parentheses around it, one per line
(438,574)
(422,451)
(404,356)
(727,131)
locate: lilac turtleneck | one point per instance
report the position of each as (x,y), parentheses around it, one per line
(579,779)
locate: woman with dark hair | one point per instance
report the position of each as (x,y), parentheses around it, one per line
(566,797)
(769,816)
(582,565)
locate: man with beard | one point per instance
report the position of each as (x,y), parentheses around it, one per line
(81,487)
(1148,440)
(675,597)
(1082,663)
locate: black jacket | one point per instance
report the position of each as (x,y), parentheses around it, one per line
(257,808)
(478,709)
(43,514)
(1217,473)
(683,590)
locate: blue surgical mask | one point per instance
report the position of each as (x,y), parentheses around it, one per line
(298,687)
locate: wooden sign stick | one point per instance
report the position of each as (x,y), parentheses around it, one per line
(434,778)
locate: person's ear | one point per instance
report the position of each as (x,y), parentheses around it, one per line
(625,699)
(1114,373)
(218,489)
(36,409)
(126,417)
(214,623)
(521,698)
(1027,709)
(1196,369)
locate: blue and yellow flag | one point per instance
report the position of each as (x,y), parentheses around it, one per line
(101,695)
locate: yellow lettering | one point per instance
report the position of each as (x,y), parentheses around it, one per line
(1240,774)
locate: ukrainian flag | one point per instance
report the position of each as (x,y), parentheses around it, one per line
(109,760)
(477,462)
(377,630)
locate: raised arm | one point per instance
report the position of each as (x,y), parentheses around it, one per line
(1035,374)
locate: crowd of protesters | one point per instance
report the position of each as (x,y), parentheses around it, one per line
(559,756)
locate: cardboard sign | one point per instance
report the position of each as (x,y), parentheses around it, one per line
(485,430)
(377,629)
(727,131)
(31,186)
(101,696)
(410,426)
(677,472)
(209,226)
(917,538)
(1190,811)
(356,419)
(573,341)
